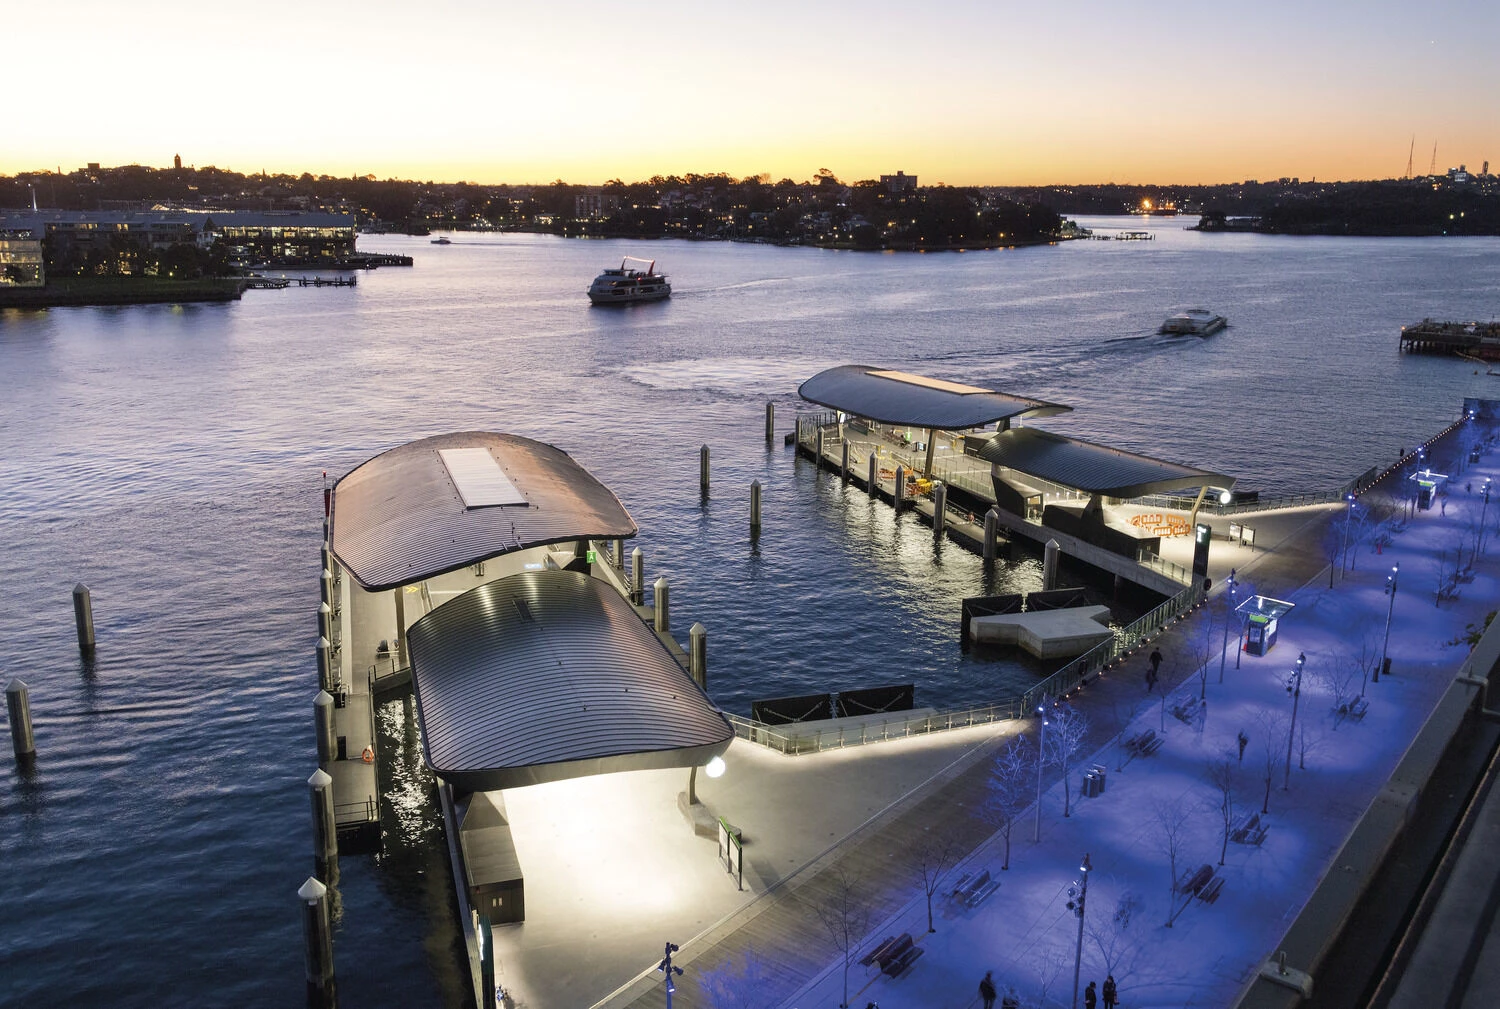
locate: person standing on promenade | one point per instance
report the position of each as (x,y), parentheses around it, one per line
(1090,997)
(1111,996)
(1155,673)
(987,989)
(1244,741)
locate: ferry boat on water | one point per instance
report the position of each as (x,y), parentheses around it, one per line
(628,284)
(1194,322)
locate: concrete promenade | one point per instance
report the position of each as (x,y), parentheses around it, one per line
(1022,931)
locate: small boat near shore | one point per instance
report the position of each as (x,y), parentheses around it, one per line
(628,285)
(442,241)
(1194,322)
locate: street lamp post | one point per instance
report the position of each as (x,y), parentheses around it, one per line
(1080,892)
(666,968)
(1344,554)
(1293,687)
(1390,589)
(1041,758)
(1482,509)
(1228,615)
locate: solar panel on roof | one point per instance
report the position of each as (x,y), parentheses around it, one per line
(479,479)
(930,383)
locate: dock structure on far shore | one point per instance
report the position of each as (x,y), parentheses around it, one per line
(1463,339)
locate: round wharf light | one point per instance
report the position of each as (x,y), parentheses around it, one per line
(714,768)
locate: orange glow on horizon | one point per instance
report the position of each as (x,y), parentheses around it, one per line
(975,94)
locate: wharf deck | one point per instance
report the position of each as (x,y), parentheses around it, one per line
(1464,339)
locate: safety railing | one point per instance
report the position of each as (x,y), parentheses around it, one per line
(789,740)
(1126,640)
(354,812)
(1176,572)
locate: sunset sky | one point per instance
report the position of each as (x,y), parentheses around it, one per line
(955,91)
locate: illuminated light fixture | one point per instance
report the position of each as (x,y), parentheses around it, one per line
(714,768)
(1225,497)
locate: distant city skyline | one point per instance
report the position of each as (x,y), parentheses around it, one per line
(961,93)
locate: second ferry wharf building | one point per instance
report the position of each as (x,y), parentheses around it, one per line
(75,241)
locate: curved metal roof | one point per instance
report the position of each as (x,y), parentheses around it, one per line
(897,397)
(547,675)
(1096,469)
(400,517)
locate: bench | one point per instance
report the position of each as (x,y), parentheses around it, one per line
(1197,879)
(900,955)
(1249,829)
(1354,709)
(1144,744)
(975,887)
(1210,893)
(1184,711)
(881,948)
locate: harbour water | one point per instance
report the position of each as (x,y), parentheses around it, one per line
(171,458)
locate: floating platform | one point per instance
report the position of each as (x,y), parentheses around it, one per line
(1047,634)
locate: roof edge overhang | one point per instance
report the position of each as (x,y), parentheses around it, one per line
(1193,479)
(493,779)
(1026,407)
(628,531)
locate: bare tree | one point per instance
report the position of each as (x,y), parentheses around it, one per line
(1272,727)
(1065,737)
(1171,818)
(1010,788)
(1049,968)
(1337,677)
(845,917)
(738,984)
(1124,713)
(1309,740)
(937,851)
(1220,774)
(1118,945)
(1202,643)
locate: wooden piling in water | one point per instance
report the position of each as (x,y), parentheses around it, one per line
(83,618)
(770,423)
(874,477)
(939,510)
(323,725)
(317,943)
(900,492)
(661,600)
(703,468)
(754,507)
(698,654)
(1049,565)
(991,530)
(637,577)
(844,466)
(325,831)
(18,710)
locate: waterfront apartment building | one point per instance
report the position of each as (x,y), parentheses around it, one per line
(899,183)
(21,262)
(75,241)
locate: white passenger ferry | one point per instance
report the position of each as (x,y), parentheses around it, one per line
(1194,322)
(628,284)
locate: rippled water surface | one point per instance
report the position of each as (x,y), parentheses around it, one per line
(170,457)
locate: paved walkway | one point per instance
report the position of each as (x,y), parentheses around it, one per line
(1023,931)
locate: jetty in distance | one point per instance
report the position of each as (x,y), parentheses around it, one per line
(1463,339)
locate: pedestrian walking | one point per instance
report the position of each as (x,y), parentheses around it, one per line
(1200,719)
(1090,997)
(987,989)
(1111,996)
(1155,663)
(1244,741)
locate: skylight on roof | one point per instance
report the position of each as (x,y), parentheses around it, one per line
(479,479)
(931,383)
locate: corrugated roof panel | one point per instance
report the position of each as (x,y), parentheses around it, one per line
(547,675)
(399,518)
(479,479)
(898,397)
(1096,469)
